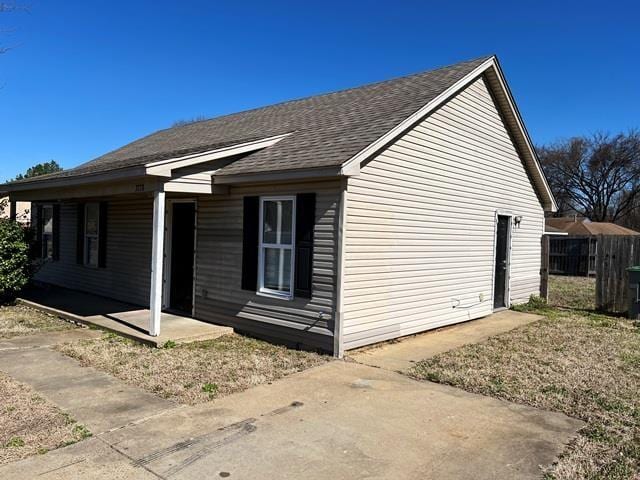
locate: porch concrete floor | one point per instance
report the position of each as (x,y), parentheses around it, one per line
(131,321)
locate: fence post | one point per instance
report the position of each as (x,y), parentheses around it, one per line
(600,259)
(544,268)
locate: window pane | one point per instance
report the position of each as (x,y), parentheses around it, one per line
(92,251)
(277,269)
(277,217)
(286,222)
(91,221)
(47,246)
(47,220)
(270,222)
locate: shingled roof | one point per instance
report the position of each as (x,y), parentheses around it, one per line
(583,226)
(326,130)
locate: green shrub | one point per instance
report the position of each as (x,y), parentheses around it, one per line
(15,264)
(535,304)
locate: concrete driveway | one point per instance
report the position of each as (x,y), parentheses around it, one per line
(342,420)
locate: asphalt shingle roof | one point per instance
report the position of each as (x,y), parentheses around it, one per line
(583,226)
(327,129)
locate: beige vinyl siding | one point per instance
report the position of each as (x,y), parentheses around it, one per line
(127,273)
(219,297)
(420,225)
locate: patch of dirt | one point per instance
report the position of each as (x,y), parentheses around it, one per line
(31,425)
(196,372)
(18,320)
(582,364)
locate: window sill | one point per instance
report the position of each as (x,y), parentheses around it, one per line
(278,296)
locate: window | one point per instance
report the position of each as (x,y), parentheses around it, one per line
(91,227)
(277,227)
(47,232)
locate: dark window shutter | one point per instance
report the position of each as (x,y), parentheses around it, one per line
(56,232)
(80,234)
(37,247)
(102,235)
(305,222)
(250,232)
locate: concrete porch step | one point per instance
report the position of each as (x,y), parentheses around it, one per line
(130,321)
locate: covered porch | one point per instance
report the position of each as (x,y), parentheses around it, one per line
(125,319)
(165,242)
(118,242)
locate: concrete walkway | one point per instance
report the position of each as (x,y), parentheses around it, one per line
(401,355)
(125,319)
(340,421)
(95,399)
(48,339)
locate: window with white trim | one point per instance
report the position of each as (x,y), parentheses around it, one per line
(91,234)
(47,232)
(277,232)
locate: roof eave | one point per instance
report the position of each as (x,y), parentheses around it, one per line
(90,178)
(161,168)
(548,201)
(279,176)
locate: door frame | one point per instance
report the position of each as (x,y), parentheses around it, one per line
(507,280)
(168,234)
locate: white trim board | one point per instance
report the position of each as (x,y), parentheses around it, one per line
(166,280)
(490,65)
(164,168)
(507,281)
(262,290)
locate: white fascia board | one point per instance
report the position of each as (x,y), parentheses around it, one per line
(62,182)
(277,176)
(163,168)
(523,131)
(415,117)
(391,135)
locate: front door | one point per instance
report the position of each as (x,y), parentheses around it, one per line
(183,216)
(502,262)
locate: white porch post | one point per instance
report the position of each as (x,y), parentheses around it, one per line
(157,255)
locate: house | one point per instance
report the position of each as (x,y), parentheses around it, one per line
(19,211)
(333,222)
(574,253)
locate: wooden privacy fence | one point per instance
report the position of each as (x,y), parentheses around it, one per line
(615,254)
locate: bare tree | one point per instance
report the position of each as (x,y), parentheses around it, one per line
(6,7)
(597,176)
(189,121)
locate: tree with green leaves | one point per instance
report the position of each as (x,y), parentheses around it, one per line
(40,169)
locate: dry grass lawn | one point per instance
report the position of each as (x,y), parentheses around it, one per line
(572,292)
(29,424)
(579,363)
(196,372)
(17,320)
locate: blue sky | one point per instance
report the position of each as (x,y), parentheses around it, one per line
(87,77)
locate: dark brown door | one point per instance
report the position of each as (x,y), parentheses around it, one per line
(183,218)
(502,246)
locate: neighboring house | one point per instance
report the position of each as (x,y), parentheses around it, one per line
(332,222)
(574,253)
(20,211)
